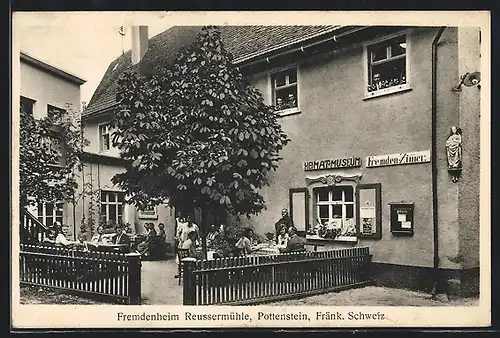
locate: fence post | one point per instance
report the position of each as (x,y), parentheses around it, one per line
(134,278)
(189,281)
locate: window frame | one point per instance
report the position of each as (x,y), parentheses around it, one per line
(100,137)
(367,63)
(24,99)
(272,89)
(315,210)
(331,202)
(42,216)
(119,206)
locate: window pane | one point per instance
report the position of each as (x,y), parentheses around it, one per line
(40,210)
(112,212)
(40,219)
(103,196)
(378,52)
(389,74)
(121,198)
(59,210)
(49,221)
(49,209)
(348,193)
(322,195)
(323,211)
(349,211)
(398,46)
(292,76)
(103,210)
(120,219)
(337,194)
(280,79)
(337,211)
(112,197)
(59,219)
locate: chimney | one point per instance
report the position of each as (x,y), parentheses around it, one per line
(140,41)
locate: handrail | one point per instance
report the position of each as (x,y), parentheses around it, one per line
(25,212)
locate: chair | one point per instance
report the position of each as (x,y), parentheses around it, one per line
(181,254)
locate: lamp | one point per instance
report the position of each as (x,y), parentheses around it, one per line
(468,80)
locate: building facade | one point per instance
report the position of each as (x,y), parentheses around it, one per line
(43,88)
(372,160)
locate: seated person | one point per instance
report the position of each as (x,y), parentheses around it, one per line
(148,244)
(190,244)
(161,233)
(122,236)
(60,238)
(283,237)
(213,232)
(295,243)
(244,244)
(98,237)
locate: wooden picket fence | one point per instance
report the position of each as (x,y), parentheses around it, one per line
(260,279)
(114,276)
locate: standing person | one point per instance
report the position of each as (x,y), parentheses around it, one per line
(184,227)
(295,243)
(244,244)
(285,221)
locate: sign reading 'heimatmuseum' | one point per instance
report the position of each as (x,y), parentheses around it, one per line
(396,159)
(349,162)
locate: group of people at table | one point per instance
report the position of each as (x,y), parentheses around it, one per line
(118,240)
(286,239)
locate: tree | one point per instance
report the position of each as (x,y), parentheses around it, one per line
(197,135)
(50,151)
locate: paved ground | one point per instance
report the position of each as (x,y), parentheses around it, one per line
(159,287)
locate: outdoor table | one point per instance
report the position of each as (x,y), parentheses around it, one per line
(108,247)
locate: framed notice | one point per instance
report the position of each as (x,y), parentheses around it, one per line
(368,210)
(402,222)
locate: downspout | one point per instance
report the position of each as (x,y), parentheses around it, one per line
(434,159)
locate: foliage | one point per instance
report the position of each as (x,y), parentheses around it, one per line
(50,150)
(197,134)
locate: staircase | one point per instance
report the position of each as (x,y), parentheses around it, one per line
(31,229)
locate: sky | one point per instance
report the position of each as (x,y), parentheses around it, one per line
(81,45)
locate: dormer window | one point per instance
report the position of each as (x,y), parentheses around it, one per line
(104,137)
(285,93)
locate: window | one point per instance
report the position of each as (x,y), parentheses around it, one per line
(55,112)
(148,213)
(104,137)
(27,104)
(334,213)
(112,207)
(387,64)
(284,86)
(48,213)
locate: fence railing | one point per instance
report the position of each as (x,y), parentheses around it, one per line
(110,275)
(260,279)
(31,229)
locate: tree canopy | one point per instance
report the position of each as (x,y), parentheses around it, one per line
(197,133)
(50,149)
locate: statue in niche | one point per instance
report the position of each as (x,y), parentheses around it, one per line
(454,152)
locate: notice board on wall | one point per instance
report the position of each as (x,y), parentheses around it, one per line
(402,220)
(368,210)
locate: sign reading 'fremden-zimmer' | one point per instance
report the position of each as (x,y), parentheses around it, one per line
(397,159)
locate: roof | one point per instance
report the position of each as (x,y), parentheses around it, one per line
(51,69)
(245,43)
